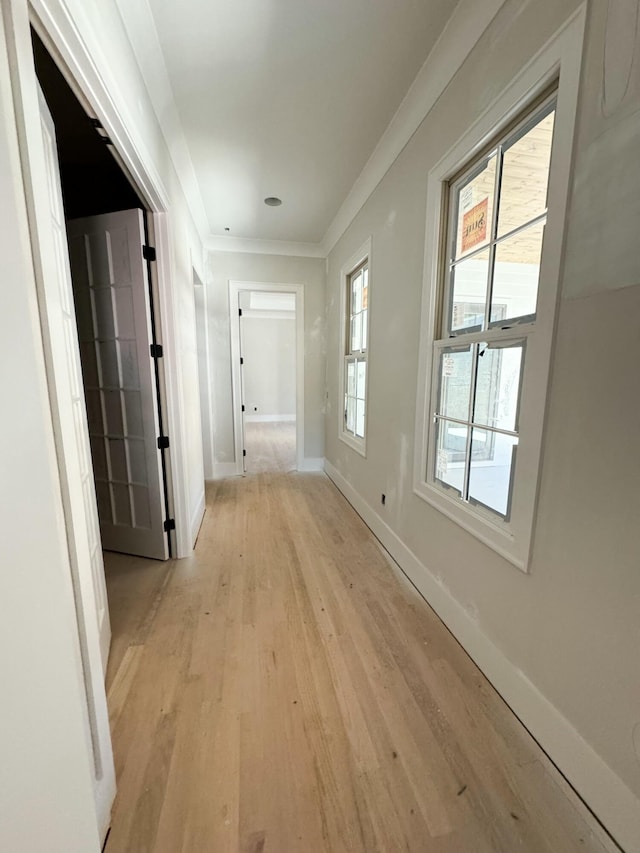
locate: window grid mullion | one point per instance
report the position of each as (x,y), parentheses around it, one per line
(494,234)
(472,403)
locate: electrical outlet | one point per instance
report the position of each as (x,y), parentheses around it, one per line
(383,499)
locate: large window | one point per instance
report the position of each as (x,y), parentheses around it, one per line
(498,211)
(355,344)
(485,358)
(355,362)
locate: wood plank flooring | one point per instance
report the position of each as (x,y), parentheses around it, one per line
(285,690)
(271,447)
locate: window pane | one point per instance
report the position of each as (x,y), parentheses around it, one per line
(455,383)
(360,418)
(498,385)
(469,293)
(356,294)
(351,378)
(356,333)
(474,209)
(350,418)
(516,273)
(525,175)
(492,460)
(362,377)
(365,288)
(451,453)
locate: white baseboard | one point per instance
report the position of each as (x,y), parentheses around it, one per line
(310,463)
(615,805)
(268,419)
(196,518)
(224,469)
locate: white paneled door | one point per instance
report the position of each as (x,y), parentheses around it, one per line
(74,458)
(112,302)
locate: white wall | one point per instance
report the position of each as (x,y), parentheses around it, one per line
(567,635)
(269,370)
(278,269)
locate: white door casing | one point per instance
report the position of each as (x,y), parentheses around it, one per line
(112,298)
(74,458)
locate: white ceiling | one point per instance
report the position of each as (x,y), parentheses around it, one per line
(288,98)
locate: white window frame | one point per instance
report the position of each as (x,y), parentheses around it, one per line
(356,260)
(559,60)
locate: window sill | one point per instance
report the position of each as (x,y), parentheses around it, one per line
(494,535)
(357,444)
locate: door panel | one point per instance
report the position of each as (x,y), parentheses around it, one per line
(74,457)
(111,290)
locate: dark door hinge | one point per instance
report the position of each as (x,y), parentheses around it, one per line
(241,360)
(170,524)
(148,253)
(156,350)
(163,442)
(244,452)
(239,312)
(243,407)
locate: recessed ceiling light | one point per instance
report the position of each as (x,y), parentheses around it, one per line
(273,201)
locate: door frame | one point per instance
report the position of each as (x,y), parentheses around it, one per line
(60,36)
(235,289)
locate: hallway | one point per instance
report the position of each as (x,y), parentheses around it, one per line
(286,690)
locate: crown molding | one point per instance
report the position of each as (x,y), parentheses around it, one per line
(461,33)
(252,246)
(141,31)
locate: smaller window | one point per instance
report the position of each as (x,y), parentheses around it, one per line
(356,334)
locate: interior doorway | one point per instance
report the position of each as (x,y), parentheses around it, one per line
(267,323)
(114,304)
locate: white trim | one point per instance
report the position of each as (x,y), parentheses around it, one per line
(604,792)
(269,419)
(563,54)
(197,518)
(235,288)
(463,30)
(311,464)
(221,470)
(198,283)
(358,257)
(265,247)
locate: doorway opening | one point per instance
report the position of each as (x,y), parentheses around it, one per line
(113,278)
(268,369)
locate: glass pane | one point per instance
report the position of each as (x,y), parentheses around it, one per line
(356,333)
(364,329)
(498,386)
(492,459)
(525,176)
(469,293)
(365,288)
(473,202)
(362,379)
(351,414)
(515,276)
(360,418)
(455,383)
(351,378)
(356,294)
(451,453)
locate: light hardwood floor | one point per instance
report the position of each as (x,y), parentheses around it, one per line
(271,447)
(286,690)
